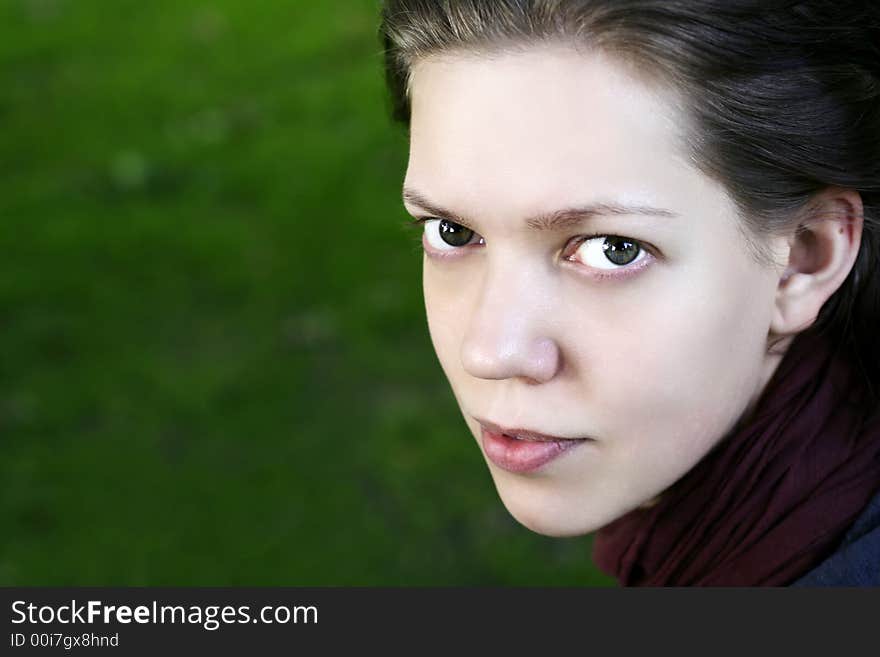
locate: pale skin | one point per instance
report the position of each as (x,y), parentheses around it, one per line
(657,361)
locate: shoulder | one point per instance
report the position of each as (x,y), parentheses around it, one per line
(857,561)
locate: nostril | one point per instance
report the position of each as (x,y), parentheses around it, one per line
(545,360)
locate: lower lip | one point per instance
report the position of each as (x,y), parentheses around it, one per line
(523,455)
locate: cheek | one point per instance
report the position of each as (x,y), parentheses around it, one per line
(688,362)
(446,307)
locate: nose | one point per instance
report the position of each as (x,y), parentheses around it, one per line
(507,334)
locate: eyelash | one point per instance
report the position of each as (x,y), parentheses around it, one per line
(622,272)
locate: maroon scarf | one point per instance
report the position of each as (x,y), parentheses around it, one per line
(773,499)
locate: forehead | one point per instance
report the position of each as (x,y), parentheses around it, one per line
(546,121)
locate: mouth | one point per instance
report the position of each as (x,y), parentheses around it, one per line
(523,450)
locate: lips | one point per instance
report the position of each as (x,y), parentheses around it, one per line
(523,450)
(525,434)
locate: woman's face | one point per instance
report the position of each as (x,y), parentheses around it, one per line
(637,352)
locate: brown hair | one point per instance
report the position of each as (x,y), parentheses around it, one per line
(784,97)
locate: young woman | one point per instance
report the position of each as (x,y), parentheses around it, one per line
(650,273)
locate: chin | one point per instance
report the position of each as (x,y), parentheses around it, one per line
(551,518)
(555,531)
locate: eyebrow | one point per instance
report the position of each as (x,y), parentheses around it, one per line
(555,220)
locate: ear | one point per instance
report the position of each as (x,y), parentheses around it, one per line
(821,253)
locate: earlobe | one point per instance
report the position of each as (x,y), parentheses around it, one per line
(822,251)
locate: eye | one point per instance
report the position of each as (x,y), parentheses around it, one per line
(608,252)
(445,235)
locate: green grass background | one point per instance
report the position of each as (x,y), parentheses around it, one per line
(214,364)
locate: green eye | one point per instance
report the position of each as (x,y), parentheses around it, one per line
(454,234)
(442,235)
(620,250)
(609,252)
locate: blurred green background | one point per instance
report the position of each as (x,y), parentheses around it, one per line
(214,364)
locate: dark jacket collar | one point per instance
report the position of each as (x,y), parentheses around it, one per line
(857,561)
